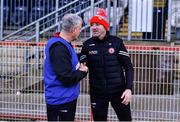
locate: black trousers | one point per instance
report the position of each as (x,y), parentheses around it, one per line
(62,112)
(100,106)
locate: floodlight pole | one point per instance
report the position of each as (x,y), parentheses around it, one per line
(1,19)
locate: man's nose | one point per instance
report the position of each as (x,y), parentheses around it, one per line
(94,27)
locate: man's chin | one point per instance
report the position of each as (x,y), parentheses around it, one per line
(77,39)
(95,35)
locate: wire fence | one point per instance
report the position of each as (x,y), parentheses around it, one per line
(156,93)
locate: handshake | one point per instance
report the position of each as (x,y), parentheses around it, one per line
(83,67)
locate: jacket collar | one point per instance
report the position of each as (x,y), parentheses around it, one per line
(104,39)
(56,34)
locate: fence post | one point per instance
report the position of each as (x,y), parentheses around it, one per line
(114,28)
(37,40)
(57,7)
(1,19)
(129,19)
(169,20)
(92,12)
(37,31)
(92,8)
(109,10)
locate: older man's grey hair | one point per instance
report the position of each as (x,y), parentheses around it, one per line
(70,21)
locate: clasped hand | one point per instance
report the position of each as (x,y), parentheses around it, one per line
(83,67)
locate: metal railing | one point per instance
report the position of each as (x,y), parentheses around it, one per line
(45,26)
(151,20)
(156,92)
(19,13)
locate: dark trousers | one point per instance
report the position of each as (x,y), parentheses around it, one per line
(62,112)
(99,108)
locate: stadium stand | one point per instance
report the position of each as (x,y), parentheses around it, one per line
(157,77)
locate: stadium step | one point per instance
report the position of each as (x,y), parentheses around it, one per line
(134,34)
(166,29)
(124,29)
(159,3)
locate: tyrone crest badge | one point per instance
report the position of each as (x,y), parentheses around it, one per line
(111,50)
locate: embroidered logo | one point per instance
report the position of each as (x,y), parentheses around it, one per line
(111,50)
(64,111)
(93,52)
(93,104)
(91,45)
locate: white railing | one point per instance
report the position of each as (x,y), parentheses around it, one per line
(156,92)
(150,20)
(43,27)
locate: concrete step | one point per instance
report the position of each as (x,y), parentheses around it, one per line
(123,29)
(136,34)
(159,4)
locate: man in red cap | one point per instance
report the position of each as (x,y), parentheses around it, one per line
(110,70)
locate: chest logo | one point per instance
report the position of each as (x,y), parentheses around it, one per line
(111,50)
(93,52)
(91,45)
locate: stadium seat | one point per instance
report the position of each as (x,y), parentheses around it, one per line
(6,14)
(36,13)
(20,16)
